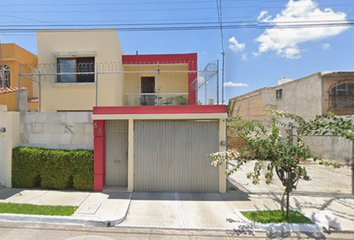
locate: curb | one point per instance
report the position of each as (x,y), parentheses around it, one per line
(280,227)
(64,219)
(60,220)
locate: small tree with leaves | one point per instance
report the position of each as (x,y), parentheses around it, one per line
(281,155)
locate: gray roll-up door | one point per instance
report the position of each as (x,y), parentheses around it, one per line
(117,153)
(172,156)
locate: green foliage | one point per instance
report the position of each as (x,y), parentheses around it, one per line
(327,124)
(275,216)
(82,167)
(26,165)
(56,170)
(52,169)
(37,209)
(281,154)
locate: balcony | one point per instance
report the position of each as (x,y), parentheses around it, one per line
(155,99)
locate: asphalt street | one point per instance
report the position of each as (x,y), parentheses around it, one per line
(28,231)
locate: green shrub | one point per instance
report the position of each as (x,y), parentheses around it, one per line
(56,172)
(52,169)
(26,165)
(82,164)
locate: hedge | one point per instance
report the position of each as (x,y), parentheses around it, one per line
(52,169)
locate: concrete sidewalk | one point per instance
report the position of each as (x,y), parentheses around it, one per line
(211,211)
(94,208)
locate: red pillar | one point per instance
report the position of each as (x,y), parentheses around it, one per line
(99,155)
(192,66)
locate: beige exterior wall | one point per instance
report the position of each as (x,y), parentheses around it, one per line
(104,45)
(8,140)
(302,97)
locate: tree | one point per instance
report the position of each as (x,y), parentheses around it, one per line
(281,155)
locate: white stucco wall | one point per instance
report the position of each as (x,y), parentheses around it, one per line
(103,44)
(8,140)
(63,130)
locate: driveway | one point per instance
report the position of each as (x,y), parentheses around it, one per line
(184,210)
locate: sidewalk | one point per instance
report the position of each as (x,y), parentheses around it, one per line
(194,211)
(95,208)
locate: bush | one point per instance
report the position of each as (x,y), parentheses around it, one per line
(52,169)
(26,166)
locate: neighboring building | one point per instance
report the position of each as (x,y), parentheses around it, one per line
(309,96)
(11,57)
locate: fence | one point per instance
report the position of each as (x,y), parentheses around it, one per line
(75,86)
(324,180)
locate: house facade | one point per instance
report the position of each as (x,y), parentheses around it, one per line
(148,132)
(307,97)
(11,57)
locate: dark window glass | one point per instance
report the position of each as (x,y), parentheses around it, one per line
(279,93)
(70,69)
(342,95)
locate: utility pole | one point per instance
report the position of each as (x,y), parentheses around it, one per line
(223,78)
(2,72)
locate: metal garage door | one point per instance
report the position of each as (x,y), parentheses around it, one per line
(117,153)
(171,156)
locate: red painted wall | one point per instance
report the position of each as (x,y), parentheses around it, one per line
(99,155)
(161,109)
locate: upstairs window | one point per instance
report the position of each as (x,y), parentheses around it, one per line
(279,93)
(4,76)
(76,70)
(342,95)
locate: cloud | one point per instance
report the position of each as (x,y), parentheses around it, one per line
(285,42)
(232,84)
(244,57)
(326,46)
(235,46)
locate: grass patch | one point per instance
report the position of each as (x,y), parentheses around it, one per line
(37,209)
(274,216)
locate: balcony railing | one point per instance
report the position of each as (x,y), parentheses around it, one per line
(155,99)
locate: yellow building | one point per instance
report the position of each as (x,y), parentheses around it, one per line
(11,56)
(87,68)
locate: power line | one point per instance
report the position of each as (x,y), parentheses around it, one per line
(181,26)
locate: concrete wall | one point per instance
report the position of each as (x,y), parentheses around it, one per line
(302,97)
(331,147)
(65,130)
(103,45)
(8,140)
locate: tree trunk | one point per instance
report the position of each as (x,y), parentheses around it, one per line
(282,202)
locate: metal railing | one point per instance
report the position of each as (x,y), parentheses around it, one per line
(82,86)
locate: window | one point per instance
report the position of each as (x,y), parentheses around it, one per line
(279,93)
(76,70)
(342,95)
(4,76)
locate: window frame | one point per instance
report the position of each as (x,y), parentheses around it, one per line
(77,70)
(279,93)
(338,96)
(7,73)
